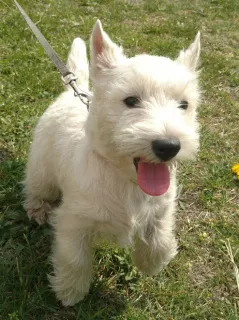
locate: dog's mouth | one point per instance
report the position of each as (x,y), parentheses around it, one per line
(153,179)
(136,162)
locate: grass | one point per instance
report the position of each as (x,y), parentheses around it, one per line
(201,283)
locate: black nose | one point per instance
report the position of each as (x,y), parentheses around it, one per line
(166,149)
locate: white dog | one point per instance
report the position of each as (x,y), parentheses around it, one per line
(114,167)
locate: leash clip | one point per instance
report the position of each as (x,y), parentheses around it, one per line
(70,79)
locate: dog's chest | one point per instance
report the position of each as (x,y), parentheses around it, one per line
(106,211)
(119,212)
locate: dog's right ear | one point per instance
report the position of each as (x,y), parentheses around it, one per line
(105,54)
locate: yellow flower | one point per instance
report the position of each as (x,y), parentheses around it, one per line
(235,170)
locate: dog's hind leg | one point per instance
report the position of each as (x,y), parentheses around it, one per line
(40,188)
(72,256)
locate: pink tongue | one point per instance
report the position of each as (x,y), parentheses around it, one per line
(153,179)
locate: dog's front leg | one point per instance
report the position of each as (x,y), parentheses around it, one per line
(72,258)
(156,246)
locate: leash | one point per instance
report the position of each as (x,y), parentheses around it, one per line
(68,77)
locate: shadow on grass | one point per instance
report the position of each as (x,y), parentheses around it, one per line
(101,303)
(24,264)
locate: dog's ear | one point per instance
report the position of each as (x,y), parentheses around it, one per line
(105,54)
(190,57)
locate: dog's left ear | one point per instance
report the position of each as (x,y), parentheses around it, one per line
(105,54)
(190,57)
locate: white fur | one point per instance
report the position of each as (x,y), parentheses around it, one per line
(86,159)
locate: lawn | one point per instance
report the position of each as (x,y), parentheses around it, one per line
(200,282)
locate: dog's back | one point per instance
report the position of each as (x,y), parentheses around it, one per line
(62,122)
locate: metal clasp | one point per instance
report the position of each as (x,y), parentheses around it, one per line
(70,79)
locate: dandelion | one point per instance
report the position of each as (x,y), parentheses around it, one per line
(235,170)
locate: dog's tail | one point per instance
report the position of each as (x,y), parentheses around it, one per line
(77,62)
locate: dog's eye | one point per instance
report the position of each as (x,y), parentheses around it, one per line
(183,105)
(132,102)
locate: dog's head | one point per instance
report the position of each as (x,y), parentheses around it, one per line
(143,114)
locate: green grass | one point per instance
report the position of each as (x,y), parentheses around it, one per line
(199,283)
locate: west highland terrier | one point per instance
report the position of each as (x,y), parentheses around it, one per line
(113,168)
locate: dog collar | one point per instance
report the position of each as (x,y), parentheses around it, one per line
(68,77)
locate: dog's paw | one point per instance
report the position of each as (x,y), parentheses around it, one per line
(152,262)
(39,212)
(70,299)
(146,266)
(68,293)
